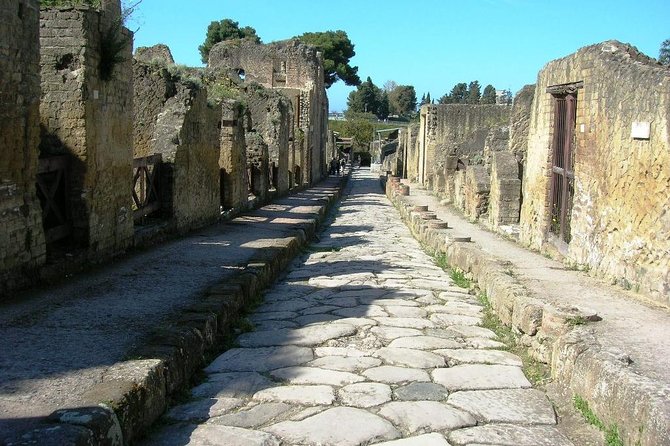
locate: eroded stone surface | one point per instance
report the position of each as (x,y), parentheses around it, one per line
(480,377)
(412,358)
(421,416)
(259,359)
(314,375)
(309,395)
(421,391)
(420,440)
(306,336)
(509,435)
(524,406)
(365,394)
(340,426)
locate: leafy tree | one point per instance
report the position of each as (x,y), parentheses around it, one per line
(402,100)
(428,100)
(383,108)
(225,29)
(459,93)
(489,95)
(365,99)
(506,97)
(423,100)
(664,53)
(359,127)
(474,93)
(445,99)
(389,86)
(337,51)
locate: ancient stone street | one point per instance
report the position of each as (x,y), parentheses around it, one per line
(364,341)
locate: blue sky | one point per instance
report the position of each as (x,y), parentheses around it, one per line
(431,44)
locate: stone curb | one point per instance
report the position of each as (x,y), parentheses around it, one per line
(617,395)
(135,393)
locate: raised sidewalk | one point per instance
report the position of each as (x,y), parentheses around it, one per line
(96,358)
(607,345)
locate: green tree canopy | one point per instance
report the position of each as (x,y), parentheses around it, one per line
(367,98)
(474,93)
(225,29)
(489,95)
(402,100)
(337,51)
(359,127)
(664,52)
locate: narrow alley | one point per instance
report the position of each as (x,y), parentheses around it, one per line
(364,341)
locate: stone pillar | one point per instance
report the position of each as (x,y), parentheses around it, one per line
(505,199)
(87,115)
(257,165)
(477,189)
(22,243)
(233,157)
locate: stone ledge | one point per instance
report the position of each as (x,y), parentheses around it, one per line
(135,393)
(636,404)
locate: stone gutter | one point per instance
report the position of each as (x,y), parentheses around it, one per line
(636,404)
(136,392)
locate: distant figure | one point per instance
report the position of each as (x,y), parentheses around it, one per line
(343,163)
(337,166)
(333,162)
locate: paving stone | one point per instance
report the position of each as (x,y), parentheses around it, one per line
(313,375)
(483,343)
(470,331)
(255,416)
(272,316)
(345,364)
(289,305)
(470,356)
(412,358)
(405,322)
(273,325)
(481,377)
(437,285)
(448,320)
(361,311)
(204,409)
(308,395)
(211,435)
(433,439)
(306,336)
(307,412)
(365,394)
(327,282)
(422,416)
(259,359)
(339,351)
(390,333)
(421,391)
(394,302)
(344,302)
(319,309)
(357,321)
(524,406)
(316,319)
(509,435)
(405,311)
(425,343)
(396,375)
(340,426)
(231,385)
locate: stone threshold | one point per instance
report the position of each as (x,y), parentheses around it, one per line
(137,391)
(638,405)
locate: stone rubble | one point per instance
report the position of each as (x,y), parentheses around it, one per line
(385,350)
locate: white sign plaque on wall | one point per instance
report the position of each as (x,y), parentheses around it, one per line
(640,130)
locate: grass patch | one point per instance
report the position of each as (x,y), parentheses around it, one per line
(612,437)
(537,372)
(459,278)
(456,275)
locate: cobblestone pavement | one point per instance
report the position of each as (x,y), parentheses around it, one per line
(364,341)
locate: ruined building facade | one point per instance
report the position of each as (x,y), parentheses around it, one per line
(578,167)
(295,70)
(103,151)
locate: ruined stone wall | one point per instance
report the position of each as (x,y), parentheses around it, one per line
(455,129)
(233,157)
(286,65)
(412,149)
(504,200)
(477,189)
(520,122)
(620,224)
(86,113)
(257,166)
(22,243)
(272,117)
(187,136)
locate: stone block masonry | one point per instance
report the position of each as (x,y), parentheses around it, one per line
(617,223)
(86,115)
(22,242)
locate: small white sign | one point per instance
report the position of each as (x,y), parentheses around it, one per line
(582,128)
(96,94)
(640,130)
